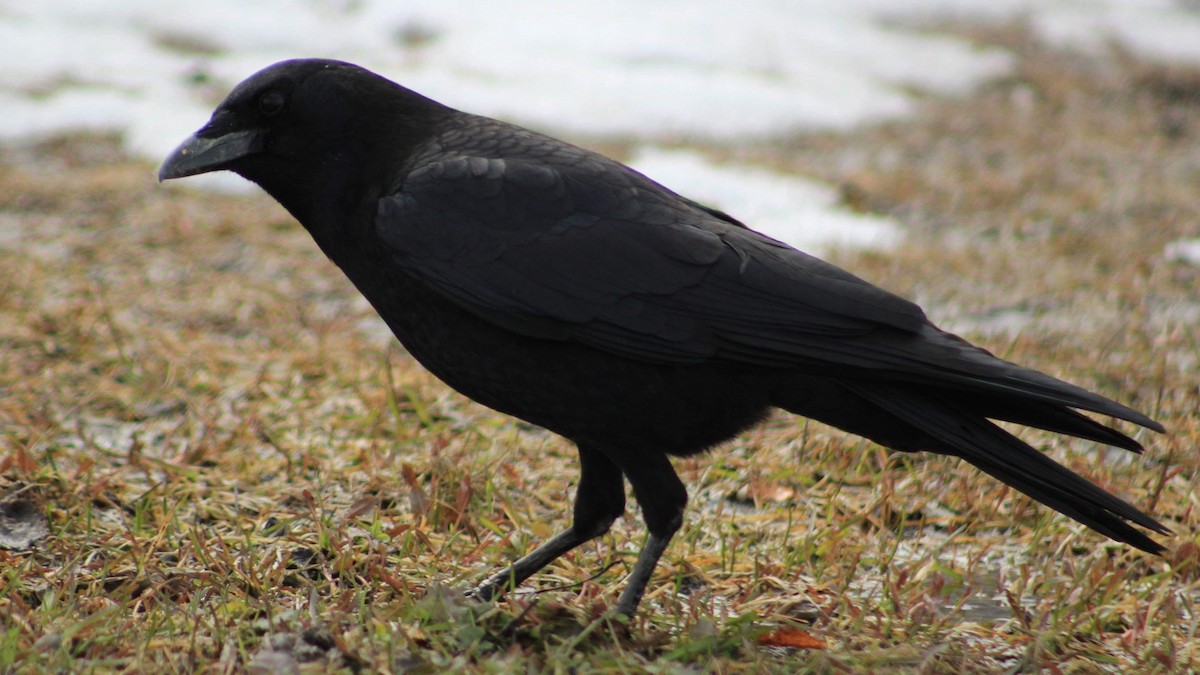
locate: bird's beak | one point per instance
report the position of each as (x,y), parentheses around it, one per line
(203,153)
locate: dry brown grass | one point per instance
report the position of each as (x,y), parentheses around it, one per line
(241,471)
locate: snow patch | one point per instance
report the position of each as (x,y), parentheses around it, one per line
(1184,250)
(802,212)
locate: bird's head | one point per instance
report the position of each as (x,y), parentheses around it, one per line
(309,132)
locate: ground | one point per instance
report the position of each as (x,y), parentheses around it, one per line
(214,458)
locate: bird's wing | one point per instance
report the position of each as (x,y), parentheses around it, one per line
(611,259)
(599,254)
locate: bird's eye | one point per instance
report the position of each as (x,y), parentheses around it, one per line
(271,102)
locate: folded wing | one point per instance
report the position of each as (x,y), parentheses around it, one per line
(597,253)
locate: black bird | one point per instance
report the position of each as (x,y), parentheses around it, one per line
(564,288)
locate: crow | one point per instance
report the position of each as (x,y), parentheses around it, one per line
(561,287)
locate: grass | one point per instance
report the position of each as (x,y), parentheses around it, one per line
(239,471)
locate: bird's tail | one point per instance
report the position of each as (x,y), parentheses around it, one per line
(958,427)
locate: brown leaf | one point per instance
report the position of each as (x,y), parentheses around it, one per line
(359,507)
(792,637)
(419,500)
(763,492)
(20,460)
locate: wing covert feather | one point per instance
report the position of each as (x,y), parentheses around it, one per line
(614,260)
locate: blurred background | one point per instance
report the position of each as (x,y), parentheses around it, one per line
(651,74)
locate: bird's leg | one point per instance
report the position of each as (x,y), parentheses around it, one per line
(647,560)
(662,497)
(599,500)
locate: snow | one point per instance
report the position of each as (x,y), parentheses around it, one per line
(794,209)
(1184,250)
(1161,30)
(670,70)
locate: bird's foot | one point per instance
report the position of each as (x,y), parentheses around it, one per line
(484,592)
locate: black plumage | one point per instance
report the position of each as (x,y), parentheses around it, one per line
(561,287)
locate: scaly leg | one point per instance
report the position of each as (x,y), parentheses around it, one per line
(662,497)
(599,500)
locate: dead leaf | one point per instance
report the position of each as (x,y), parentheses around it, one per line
(359,507)
(792,637)
(417,497)
(20,460)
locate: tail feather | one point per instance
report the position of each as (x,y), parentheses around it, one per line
(980,372)
(960,430)
(1050,417)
